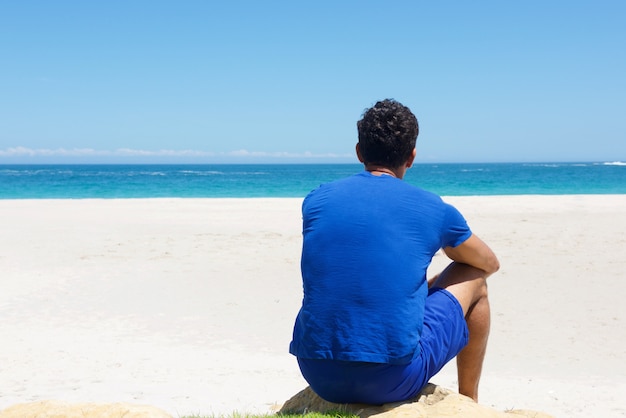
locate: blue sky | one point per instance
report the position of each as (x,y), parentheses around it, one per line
(285,81)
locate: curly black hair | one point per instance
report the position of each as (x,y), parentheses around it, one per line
(387,134)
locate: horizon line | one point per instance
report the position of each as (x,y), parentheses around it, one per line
(83,156)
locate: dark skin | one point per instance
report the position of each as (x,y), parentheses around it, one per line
(466,279)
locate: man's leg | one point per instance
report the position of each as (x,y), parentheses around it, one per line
(469,286)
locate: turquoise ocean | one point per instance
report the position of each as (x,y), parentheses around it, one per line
(296,180)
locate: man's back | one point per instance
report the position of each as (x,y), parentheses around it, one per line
(368,241)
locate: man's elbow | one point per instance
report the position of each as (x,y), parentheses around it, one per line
(493,265)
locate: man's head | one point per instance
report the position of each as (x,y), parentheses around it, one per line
(387,134)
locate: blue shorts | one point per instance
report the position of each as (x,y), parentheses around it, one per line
(443,336)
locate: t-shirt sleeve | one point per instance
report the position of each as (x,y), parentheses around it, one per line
(455,228)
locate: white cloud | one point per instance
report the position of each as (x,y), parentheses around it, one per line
(130,152)
(89,152)
(45,152)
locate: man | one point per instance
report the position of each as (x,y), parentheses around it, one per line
(372,329)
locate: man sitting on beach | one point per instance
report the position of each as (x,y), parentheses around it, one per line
(372,329)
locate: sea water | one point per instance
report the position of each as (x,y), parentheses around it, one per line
(296,180)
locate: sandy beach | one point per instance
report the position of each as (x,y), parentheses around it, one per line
(188,304)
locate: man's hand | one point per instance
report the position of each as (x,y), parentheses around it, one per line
(432,280)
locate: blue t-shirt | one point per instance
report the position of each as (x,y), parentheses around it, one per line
(367,243)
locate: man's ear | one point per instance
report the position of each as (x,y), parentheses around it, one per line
(409,162)
(358,153)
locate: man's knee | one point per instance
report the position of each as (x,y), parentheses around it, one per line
(468,284)
(482,290)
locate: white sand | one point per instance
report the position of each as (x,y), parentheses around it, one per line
(188,304)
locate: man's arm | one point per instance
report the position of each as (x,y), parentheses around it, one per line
(474,252)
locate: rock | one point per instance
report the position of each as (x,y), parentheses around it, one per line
(56,409)
(433,402)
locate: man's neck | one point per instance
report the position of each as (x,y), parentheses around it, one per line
(379,170)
